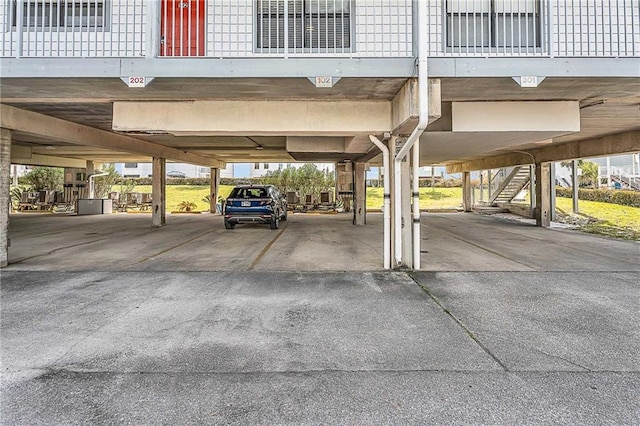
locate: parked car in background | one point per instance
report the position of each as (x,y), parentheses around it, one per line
(176,174)
(255,204)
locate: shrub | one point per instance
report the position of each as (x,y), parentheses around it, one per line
(187,206)
(623,198)
(40,178)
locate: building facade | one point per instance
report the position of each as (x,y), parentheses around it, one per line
(145,170)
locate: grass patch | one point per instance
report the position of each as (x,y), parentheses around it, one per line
(611,220)
(430,198)
(176,194)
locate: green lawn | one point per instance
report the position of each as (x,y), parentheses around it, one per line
(179,193)
(430,198)
(603,218)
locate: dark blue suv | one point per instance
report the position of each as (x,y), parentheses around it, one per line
(255,203)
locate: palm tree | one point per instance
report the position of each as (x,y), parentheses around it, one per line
(589,175)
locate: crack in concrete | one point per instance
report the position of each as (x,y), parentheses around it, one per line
(459,322)
(565,360)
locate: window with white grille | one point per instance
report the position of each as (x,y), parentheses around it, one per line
(493,23)
(303,25)
(61,14)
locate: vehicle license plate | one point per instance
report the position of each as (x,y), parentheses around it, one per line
(246,204)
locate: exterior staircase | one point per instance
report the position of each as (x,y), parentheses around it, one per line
(626,181)
(513,182)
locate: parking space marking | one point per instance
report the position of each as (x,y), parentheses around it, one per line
(266,248)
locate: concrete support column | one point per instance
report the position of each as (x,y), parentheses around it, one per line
(575,185)
(159,182)
(5,196)
(360,194)
(466,191)
(213,192)
(542,211)
(489,182)
(90,169)
(533,183)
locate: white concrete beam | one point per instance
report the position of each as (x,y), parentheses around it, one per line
(405,110)
(333,144)
(24,155)
(621,143)
(246,118)
(563,117)
(39,124)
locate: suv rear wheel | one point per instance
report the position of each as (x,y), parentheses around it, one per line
(229,225)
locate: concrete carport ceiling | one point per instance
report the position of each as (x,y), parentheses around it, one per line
(90,102)
(606,105)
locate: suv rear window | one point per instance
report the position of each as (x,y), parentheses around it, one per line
(249,193)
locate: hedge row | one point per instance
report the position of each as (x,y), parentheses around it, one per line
(623,198)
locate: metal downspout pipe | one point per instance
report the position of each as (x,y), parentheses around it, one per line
(386,235)
(423,122)
(415,182)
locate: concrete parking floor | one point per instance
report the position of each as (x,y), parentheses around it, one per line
(193,324)
(450,242)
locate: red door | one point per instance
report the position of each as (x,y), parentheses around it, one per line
(182,28)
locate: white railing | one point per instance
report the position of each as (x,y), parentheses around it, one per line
(317,28)
(72,28)
(548,28)
(201,28)
(309,28)
(627,177)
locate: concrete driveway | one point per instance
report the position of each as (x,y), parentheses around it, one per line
(141,344)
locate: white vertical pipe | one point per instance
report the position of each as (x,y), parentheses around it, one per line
(574,185)
(416,204)
(423,121)
(386,210)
